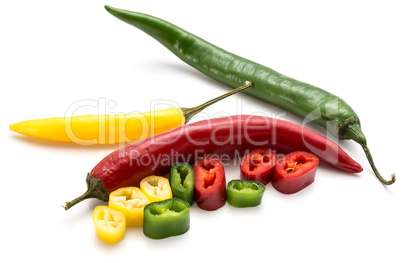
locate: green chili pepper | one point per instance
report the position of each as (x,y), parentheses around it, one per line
(182,181)
(170,217)
(244,193)
(305,100)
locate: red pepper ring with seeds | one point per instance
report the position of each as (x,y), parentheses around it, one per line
(209,183)
(294,172)
(258,165)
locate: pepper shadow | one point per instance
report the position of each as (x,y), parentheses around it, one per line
(181,69)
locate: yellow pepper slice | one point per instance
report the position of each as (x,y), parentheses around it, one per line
(156,188)
(131,201)
(110,224)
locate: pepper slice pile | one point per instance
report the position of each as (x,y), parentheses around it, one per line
(170,217)
(110,224)
(210,183)
(182,181)
(156,188)
(242,193)
(131,202)
(258,165)
(294,172)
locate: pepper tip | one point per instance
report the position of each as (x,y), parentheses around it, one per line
(109,8)
(393,179)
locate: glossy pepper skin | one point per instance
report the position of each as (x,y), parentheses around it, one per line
(182,181)
(258,165)
(110,224)
(170,217)
(112,128)
(311,103)
(101,129)
(131,202)
(230,136)
(156,188)
(210,183)
(295,172)
(244,193)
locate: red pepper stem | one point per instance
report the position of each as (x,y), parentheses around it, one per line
(88,194)
(355,133)
(95,189)
(190,112)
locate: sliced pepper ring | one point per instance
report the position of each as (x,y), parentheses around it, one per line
(258,165)
(294,172)
(170,217)
(182,181)
(131,201)
(210,183)
(110,224)
(244,193)
(156,188)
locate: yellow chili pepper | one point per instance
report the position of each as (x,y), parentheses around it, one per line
(110,224)
(156,188)
(131,201)
(112,128)
(102,129)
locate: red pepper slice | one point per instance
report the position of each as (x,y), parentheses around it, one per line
(209,183)
(258,165)
(294,172)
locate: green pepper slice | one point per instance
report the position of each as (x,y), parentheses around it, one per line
(170,217)
(182,181)
(244,193)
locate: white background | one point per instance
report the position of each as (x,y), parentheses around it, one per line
(57,53)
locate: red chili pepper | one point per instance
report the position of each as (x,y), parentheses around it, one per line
(258,165)
(210,183)
(229,136)
(295,172)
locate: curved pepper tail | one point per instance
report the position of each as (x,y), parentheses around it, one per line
(371,161)
(95,189)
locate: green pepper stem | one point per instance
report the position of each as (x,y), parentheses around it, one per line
(190,112)
(95,189)
(352,130)
(370,159)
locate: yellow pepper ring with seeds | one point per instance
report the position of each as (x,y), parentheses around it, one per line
(110,224)
(131,202)
(156,188)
